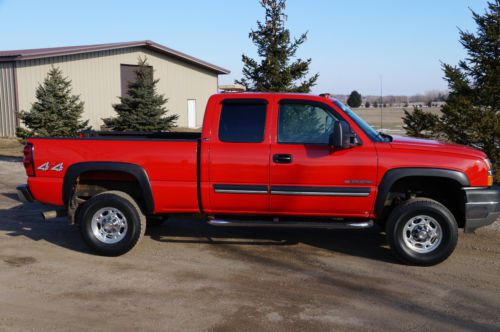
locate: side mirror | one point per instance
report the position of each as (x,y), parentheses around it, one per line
(342,136)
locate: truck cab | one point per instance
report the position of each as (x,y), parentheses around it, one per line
(280,152)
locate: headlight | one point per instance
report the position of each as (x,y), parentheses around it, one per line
(488,162)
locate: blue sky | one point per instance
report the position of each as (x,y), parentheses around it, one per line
(351,42)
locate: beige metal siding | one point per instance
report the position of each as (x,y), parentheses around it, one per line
(96,78)
(7,100)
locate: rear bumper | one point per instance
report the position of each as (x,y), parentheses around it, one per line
(482,207)
(24,194)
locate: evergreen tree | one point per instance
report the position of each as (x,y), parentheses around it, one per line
(471,115)
(419,123)
(354,99)
(472,112)
(56,112)
(367,104)
(142,109)
(274,71)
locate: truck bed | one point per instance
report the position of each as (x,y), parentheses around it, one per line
(169,159)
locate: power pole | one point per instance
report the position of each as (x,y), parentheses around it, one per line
(380,104)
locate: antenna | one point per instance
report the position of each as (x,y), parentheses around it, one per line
(380,104)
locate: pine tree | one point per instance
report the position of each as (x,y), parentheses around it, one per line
(274,72)
(471,115)
(354,99)
(56,112)
(142,109)
(419,123)
(472,112)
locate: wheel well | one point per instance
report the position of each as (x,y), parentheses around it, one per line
(91,183)
(444,190)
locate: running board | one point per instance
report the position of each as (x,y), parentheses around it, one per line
(292,224)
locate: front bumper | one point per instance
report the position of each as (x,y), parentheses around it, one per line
(482,207)
(24,194)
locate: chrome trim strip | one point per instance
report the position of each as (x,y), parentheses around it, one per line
(238,191)
(318,193)
(483,203)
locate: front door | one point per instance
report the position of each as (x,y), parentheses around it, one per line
(308,177)
(239,157)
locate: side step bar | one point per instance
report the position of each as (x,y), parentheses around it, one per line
(293,224)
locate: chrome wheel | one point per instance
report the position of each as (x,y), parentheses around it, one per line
(109,225)
(422,234)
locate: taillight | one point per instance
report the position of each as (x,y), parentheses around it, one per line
(29,163)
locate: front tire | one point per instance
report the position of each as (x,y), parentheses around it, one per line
(111,223)
(422,231)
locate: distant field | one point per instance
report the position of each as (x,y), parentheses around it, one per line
(391,118)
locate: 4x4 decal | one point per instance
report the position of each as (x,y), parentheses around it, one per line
(46,166)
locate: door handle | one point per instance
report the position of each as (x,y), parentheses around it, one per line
(282,158)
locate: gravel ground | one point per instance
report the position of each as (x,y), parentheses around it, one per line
(189,276)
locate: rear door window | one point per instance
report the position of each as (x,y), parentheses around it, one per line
(242,122)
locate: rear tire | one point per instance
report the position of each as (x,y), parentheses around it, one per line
(111,223)
(422,231)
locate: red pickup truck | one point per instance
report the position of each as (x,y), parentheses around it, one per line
(267,160)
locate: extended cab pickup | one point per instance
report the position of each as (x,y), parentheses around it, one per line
(267,160)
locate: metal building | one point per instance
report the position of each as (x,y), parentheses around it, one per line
(99,74)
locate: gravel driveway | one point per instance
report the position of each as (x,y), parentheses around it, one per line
(188,276)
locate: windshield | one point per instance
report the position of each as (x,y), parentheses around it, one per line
(367,129)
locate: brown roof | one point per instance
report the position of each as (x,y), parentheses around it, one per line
(59,51)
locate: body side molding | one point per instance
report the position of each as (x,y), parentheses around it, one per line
(320,191)
(240,189)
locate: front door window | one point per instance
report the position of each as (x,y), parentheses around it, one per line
(304,124)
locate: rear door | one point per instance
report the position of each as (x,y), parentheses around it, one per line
(239,157)
(307,177)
